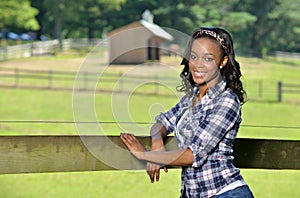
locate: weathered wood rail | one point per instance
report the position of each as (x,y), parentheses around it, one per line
(38,154)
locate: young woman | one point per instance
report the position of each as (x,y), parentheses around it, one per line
(205,121)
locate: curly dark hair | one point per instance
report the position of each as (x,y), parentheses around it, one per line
(231,71)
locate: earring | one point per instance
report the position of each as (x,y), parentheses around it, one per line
(221,66)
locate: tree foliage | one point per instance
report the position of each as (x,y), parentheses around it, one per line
(18,14)
(257,26)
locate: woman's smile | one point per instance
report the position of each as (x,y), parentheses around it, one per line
(199,74)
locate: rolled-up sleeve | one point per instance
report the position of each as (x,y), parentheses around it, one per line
(211,130)
(170,118)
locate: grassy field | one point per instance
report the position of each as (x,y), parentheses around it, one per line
(22,104)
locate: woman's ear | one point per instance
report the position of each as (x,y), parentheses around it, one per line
(224,61)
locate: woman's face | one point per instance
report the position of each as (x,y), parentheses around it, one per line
(205,61)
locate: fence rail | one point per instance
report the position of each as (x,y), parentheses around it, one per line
(39,48)
(281,54)
(28,50)
(38,154)
(64,80)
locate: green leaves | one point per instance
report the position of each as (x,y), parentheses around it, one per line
(239,21)
(18,13)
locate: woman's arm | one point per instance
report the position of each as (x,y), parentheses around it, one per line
(165,123)
(158,135)
(176,158)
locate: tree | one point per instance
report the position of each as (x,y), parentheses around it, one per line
(285,20)
(262,26)
(276,26)
(178,14)
(83,19)
(18,14)
(130,11)
(94,15)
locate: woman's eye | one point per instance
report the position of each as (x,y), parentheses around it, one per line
(208,59)
(193,57)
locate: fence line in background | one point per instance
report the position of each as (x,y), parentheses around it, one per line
(50,77)
(13,77)
(50,47)
(291,55)
(39,48)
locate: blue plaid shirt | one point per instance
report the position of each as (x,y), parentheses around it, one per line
(208,128)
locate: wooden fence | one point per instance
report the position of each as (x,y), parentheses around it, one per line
(64,80)
(287,88)
(39,154)
(290,55)
(39,48)
(28,50)
(48,79)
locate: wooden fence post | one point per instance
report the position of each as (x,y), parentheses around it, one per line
(279,91)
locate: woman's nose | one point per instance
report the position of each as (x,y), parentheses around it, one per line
(198,63)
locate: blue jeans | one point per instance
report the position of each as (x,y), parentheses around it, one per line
(240,192)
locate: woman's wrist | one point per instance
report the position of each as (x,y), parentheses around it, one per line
(157,145)
(140,155)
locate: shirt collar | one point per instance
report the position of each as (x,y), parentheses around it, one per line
(217,89)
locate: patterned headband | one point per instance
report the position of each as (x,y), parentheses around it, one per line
(213,34)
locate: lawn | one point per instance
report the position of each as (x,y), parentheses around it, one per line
(117,184)
(263,117)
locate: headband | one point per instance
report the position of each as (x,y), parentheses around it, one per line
(213,34)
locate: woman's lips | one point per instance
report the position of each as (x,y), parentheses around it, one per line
(199,74)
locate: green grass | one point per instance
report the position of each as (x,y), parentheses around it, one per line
(117,184)
(271,117)
(57,106)
(22,104)
(90,184)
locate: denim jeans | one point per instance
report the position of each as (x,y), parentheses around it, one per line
(240,192)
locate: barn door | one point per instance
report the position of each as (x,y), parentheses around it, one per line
(153,50)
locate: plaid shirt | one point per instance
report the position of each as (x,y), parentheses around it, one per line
(208,129)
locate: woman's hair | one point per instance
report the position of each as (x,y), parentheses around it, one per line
(231,71)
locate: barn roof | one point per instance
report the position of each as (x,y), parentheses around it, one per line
(153,28)
(156,30)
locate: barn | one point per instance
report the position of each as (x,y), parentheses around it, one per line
(136,43)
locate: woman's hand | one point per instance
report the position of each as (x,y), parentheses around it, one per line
(153,170)
(137,149)
(133,145)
